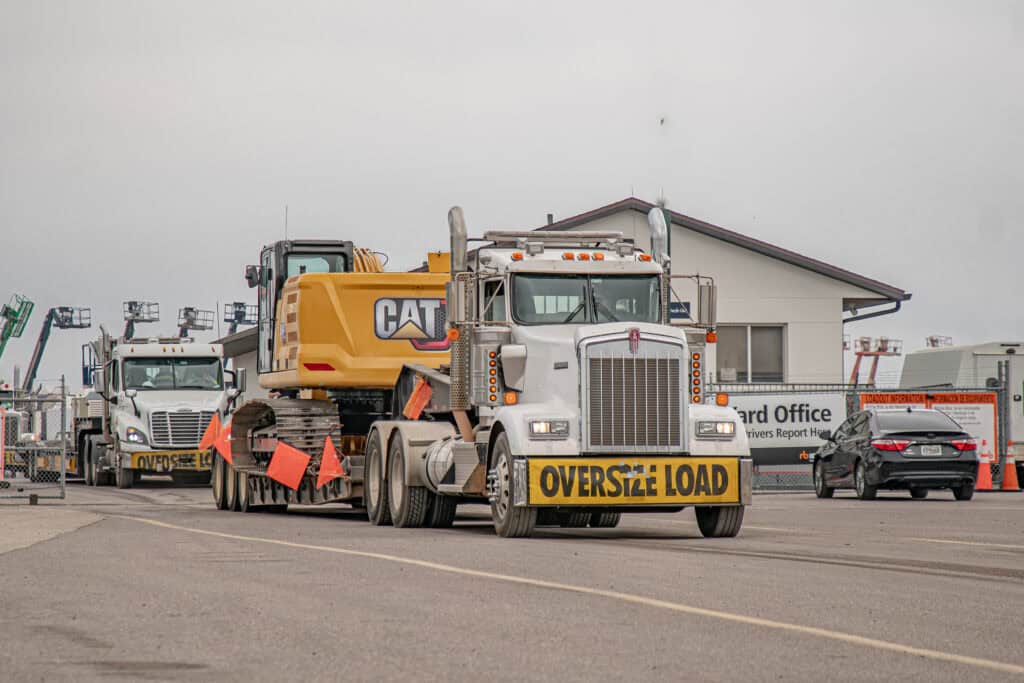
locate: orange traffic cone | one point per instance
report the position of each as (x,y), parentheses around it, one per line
(984,482)
(1010,482)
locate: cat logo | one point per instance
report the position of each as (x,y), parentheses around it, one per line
(420,321)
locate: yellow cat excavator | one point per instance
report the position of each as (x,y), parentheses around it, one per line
(334,333)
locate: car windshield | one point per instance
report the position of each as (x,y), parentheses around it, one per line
(916,421)
(561,299)
(168,374)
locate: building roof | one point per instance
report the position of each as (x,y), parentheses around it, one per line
(632,203)
(238,343)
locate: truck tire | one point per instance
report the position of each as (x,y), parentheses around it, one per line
(408,504)
(231,488)
(375,490)
(441,513)
(720,522)
(218,483)
(124,477)
(576,519)
(245,502)
(605,520)
(509,521)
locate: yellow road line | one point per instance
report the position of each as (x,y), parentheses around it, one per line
(839,636)
(974,543)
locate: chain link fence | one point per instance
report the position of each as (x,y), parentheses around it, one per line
(783,422)
(35,449)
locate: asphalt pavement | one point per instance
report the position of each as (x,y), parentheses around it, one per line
(153,583)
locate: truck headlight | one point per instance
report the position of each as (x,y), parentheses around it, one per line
(134,435)
(549,429)
(715,429)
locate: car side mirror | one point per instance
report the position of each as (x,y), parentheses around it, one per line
(252,276)
(825,434)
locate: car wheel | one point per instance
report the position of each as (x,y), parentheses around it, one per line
(820,489)
(964,491)
(865,491)
(918,493)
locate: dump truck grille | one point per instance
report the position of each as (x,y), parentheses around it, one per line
(634,401)
(180,429)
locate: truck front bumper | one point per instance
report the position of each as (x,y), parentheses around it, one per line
(631,481)
(166,461)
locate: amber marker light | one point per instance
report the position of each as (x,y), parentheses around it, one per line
(711,337)
(453,334)
(722,399)
(511,398)
(517,256)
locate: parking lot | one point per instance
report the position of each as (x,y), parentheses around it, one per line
(155,584)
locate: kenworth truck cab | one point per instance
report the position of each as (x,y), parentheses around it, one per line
(569,399)
(158,394)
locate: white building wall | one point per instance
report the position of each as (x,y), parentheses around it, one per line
(757,289)
(252,379)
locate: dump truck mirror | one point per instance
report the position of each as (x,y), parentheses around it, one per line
(240,380)
(707,304)
(98,377)
(513,366)
(252,276)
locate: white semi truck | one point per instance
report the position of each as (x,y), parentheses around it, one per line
(569,398)
(154,399)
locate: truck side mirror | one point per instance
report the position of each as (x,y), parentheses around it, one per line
(240,380)
(707,304)
(252,276)
(513,366)
(99,380)
(825,434)
(131,393)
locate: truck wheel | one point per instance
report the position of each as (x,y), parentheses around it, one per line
(441,514)
(408,503)
(217,482)
(509,521)
(245,503)
(573,520)
(865,491)
(605,520)
(720,522)
(375,490)
(231,488)
(124,477)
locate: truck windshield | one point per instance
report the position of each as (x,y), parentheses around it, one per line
(579,299)
(168,374)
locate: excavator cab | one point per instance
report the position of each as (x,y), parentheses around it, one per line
(280,261)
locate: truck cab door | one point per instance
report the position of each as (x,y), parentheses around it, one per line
(265,352)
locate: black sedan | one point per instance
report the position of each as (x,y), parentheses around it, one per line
(908,449)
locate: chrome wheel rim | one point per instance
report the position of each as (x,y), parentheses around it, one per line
(502,487)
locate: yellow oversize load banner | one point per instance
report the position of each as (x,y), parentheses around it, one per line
(168,461)
(633,481)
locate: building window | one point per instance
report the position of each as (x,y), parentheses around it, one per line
(750,353)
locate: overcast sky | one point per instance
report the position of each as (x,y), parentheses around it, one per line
(148,149)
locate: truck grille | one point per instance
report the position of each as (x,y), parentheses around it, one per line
(634,401)
(182,428)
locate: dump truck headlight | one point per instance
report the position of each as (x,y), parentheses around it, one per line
(714,429)
(134,435)
(549,429)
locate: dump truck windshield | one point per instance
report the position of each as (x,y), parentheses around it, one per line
(579,299)
(169,374)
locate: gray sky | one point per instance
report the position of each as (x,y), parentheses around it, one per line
(147,149)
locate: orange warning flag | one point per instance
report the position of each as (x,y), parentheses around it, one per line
(211,433)
(330,466)
(287,465)
(223,442)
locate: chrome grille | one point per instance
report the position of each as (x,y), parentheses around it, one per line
(634,401)
(181,428)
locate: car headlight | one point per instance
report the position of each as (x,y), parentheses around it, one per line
(716,429)
(549,429)
(134,435)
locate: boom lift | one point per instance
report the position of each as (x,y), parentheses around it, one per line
(64,318)
(190,318)
(239,313)
(15,317)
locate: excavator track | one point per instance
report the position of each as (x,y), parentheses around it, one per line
(258,426)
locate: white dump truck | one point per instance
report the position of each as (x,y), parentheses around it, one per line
(569,398)
(154,398)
